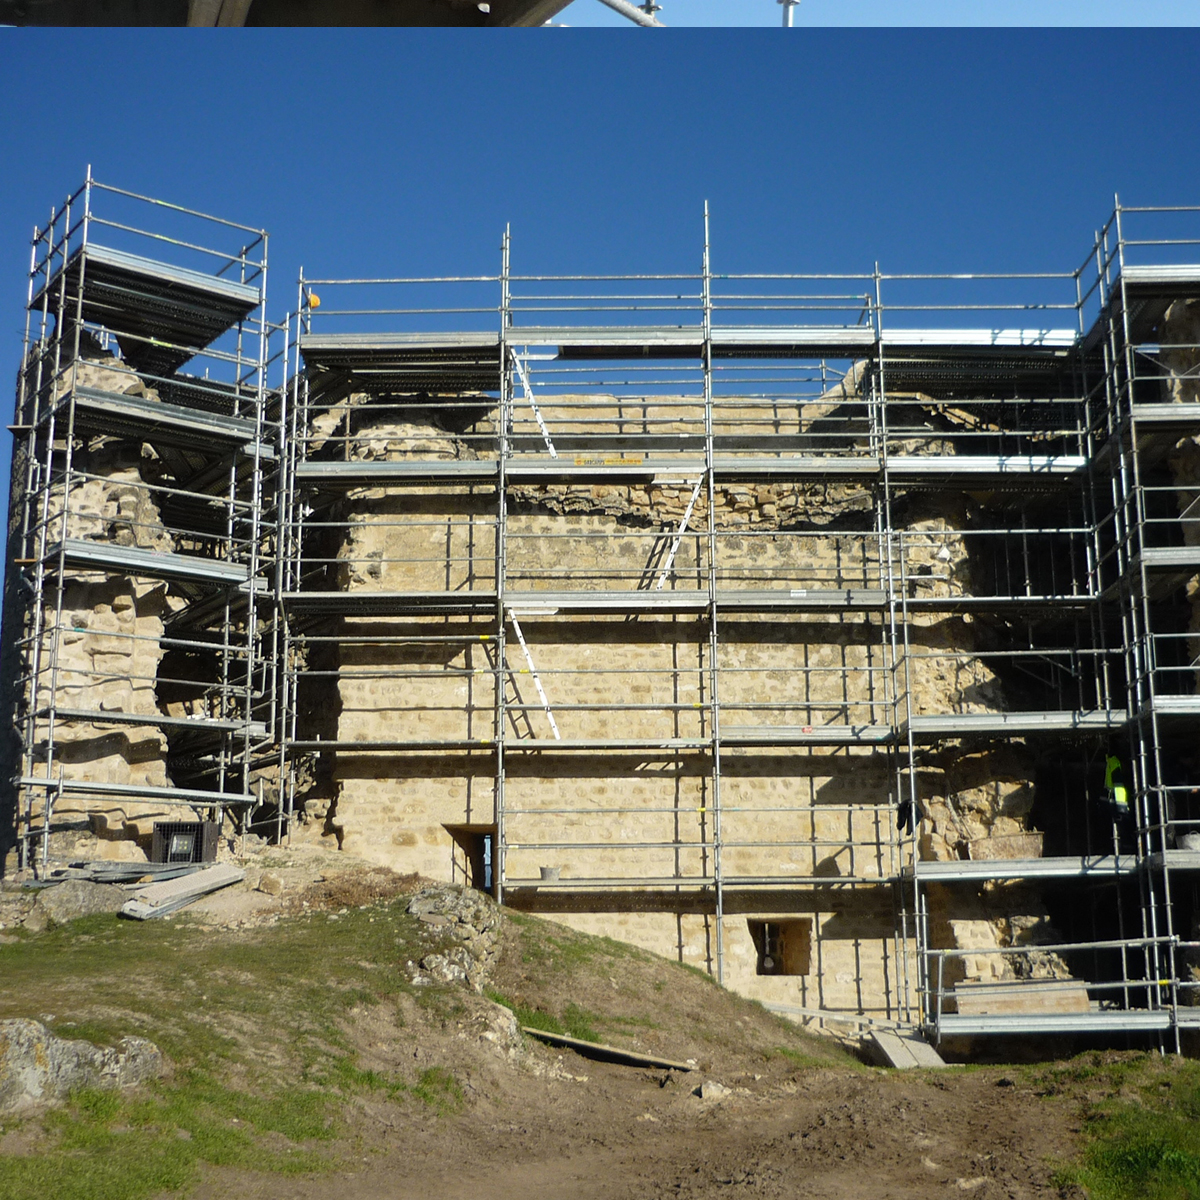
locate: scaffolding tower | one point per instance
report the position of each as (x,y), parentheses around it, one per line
(140,587)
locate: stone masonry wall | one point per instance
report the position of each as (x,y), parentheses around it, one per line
(105,653)
(808,812)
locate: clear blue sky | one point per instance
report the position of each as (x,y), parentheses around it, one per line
(405,152)
(685,13)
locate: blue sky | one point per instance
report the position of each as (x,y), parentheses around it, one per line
(685,13)
(406,152)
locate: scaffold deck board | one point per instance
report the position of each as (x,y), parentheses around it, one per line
(1169,416)
(1176,860)
(807,735)
(368,474)
(401,362)
(121,415)
(1071,867)
(1174,706)
(138,792)
(391,604)
(152,564)
(1122,1021)
(167,313)
(962,724)
(101,717)
(789,341)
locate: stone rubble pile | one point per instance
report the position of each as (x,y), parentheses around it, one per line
(463,915)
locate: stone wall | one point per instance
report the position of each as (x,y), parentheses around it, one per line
(103,653)
(646,816)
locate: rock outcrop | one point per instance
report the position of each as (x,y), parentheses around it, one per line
(37,1068)
(72,899)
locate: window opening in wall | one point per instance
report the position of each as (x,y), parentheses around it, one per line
(475,854)
(784,947)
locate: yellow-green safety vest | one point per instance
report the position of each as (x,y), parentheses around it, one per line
(1117,791)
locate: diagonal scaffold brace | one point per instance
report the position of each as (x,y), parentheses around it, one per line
(537,683)
(537,412)
(687,516)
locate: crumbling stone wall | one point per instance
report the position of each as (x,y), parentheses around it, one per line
(805,811)
(104,654)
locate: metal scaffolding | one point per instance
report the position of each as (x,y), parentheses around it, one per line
(686,385)
(774,553)
(142,453)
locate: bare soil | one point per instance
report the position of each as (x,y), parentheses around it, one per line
(792,1115)
(542,1124)
(621,1133)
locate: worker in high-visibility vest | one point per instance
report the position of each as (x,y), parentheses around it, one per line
(1115,791)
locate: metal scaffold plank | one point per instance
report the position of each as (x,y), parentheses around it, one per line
(121,415)
(960,724)
(1096,867)
(138,792)
(102,717)
(986,1024)
(391,474)
(153,564)
(808,735)
(163,314)
(386,604)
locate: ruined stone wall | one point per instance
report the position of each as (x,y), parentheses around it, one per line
(648,816)
(103,653)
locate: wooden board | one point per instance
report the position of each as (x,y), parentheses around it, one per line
(608,1053)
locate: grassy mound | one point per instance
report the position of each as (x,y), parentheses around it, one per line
(263,1031)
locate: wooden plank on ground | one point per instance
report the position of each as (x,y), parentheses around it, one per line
(159,899)
(607,1053)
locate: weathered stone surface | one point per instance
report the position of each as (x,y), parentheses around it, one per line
(73,899)
(38,1068)
(270,884)
(466,916)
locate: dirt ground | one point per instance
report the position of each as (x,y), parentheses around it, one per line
(782,1115)
(543,1124)
(622,1133)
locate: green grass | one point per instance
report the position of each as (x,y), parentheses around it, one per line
(527,1018)
(254,1026)
(1142,1127)
(439,1090)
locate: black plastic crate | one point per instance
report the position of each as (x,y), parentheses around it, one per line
(184,842)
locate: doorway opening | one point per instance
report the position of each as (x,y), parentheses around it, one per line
(474,856)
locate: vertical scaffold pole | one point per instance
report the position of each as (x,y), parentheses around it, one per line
(503,416)
(713,643)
